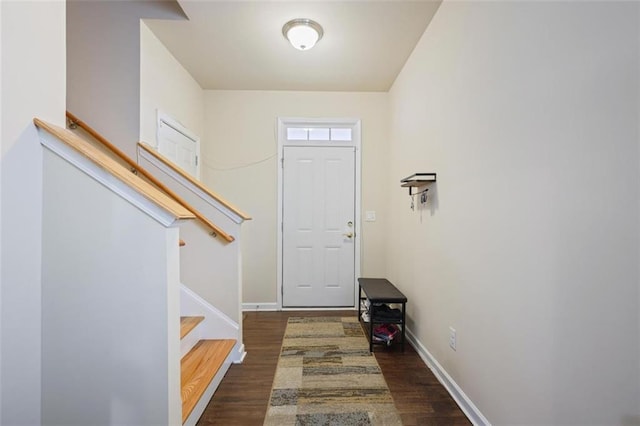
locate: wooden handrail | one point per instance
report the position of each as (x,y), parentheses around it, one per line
(216,231)
(116,169)
(75,120)
(193,181)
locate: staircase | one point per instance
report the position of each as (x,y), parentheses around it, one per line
(134,379)
(202,368)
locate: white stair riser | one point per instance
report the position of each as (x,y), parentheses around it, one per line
(216,324)
(189,341)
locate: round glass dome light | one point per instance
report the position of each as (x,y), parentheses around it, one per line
(303,34)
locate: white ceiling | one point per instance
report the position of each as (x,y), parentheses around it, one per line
(238,45)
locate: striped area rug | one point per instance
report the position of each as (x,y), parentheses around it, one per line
(327,376)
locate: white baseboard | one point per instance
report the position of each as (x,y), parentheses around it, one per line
(259,306)
(324,308)
(274,307)
(466,405)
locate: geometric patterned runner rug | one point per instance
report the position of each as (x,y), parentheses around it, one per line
(327,376)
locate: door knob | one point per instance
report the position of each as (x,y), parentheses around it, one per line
(348,235)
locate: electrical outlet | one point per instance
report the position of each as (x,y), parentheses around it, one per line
(452,338)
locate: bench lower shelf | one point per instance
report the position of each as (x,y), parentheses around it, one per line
(381,291)
(368,327)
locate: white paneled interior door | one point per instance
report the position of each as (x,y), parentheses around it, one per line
(179,145)
(318,257)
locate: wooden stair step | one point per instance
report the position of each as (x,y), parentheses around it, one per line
(198,368)
(188,323)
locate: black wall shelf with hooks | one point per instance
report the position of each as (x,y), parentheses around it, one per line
(417,180)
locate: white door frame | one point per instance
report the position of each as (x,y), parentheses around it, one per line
(282,125)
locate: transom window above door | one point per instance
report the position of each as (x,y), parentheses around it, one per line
(319,134)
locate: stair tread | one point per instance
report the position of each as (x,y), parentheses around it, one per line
(188,323)
(198,368)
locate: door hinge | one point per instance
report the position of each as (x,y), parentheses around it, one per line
(282,162)
(196,160)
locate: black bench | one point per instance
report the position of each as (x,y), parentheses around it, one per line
(381,291)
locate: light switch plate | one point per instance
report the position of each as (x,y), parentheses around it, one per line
(370,216)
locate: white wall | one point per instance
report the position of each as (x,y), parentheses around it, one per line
(208,265)
(33,85)
(167,86)
(110,306)
(239,162)
(103,61)
(528,112)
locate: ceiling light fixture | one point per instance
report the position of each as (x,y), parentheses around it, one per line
(303,34)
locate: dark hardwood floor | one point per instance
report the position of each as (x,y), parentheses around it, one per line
(243,395)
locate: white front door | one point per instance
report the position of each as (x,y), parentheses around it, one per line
(318,256)
(179,145)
